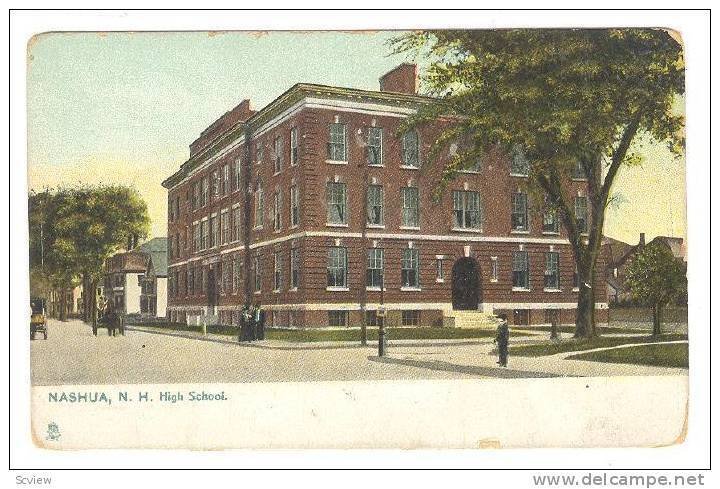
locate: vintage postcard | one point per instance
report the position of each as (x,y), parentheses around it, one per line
(369,239)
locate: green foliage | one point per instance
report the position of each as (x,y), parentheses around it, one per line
(655,277)
(565,98)
(81,227)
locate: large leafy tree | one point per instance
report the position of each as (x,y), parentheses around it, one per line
(569,99)
(655,278)
(82,227)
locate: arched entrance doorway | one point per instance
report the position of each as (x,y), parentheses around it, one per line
(465,284)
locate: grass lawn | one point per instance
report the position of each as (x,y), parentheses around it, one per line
(571,345)
(601,330)
(674,355)
(315,335)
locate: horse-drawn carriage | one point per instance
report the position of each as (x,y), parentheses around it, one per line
(38,322)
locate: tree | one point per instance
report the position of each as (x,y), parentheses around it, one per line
(655,278)
(81,228)
(567,100)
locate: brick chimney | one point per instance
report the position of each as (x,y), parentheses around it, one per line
(642,239)
(402,79)
(241,112)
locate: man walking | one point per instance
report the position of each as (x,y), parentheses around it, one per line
(502,339)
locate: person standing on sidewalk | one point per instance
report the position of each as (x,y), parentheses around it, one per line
(502,339)
(259,322)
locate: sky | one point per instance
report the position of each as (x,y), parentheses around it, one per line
(124,107)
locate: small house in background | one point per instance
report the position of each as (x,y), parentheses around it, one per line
(153,288)
(126,282)
(619,255)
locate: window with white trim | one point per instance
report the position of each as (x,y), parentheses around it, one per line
(259,152)
(278,154)
(375,263)
(410,207)
(439,270)
(520,270)
(493,269)
(213,231)
(293,147)
(550,221)
(277,216)
(294,268)
(337,266)
(277,271)
(336,196)
(215,180)
(467,210)
(581,213)
(337,319)
(237,174)
(410,272)
(519,216)
(225,227)
(225,185)
(578,172)
(552,270)
(257,274)
(375,205)
(237,267)
(337,146)
(259,205)
(294,206)
(374,146)
(205,195)
(203,234)
(236,223)
(411,149)
(410,318)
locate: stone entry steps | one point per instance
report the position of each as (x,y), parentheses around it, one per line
(470,319)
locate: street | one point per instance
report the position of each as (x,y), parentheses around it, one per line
(72,355)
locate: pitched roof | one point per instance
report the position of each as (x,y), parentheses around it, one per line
(616,251)
(156,249)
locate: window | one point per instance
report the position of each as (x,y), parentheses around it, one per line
(236,223)
(410,213)
(552,270)
(236,274)
(258,152)
(375,205)
(519,212)
(410,274)
(337,267)
(294,268)
(519,165)
(277,272)
(493,269)
(294,206)
(375,261)
(372,319)
(259,205)
(196,237)
(257,274)
(520,267)
(238,174)
(293,147)
(278,154)
(579,171)
(205,195)
(225,186)
(225,227)
(410,149)
(203,234)
(439,270)
(374,146)
(467,212)
(215,179)
(338,319)
(277,217)
(191,282)
(410,318)
(550,222)
(337,150)
(195,195)
(336,202)
(581,213)
(213,231)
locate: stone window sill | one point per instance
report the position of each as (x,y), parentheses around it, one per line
(336,162)
(376,226)
(518,175)
(546,289)
(375,289)
(519,231)
(520,289)
(467,230)
(408,167)
(337,289)
(410,228)
(330,225)
(410,289)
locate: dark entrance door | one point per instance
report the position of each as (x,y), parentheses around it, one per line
(465,284)
(211,288)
